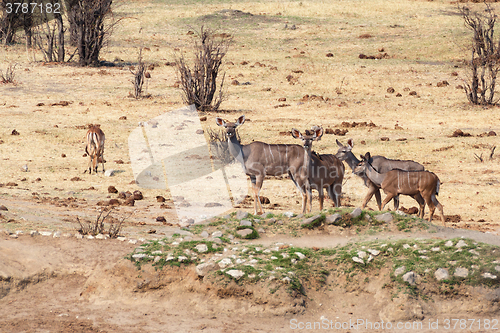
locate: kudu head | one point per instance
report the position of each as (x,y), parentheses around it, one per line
(362,165)
(230,127)
(344,151)
(308,137)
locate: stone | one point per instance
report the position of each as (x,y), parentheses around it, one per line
(461,243)
(441,274)
(46,233)
(217,233)
(138,195)
(312,222)
(356,212)
(300,255)
(34,233)
(358,260)
(240,215)
(410,277)
(112,189)
(225,262)
(448,243)
(201,248)
(245,223)
(461,272)
(361,254)
(235,273)
(332,219)
(205,268)
(244,232)
(288,214)
(400,270)
(204,234)
(374,252)
(2,207)
(181,258)
(489,276)
(110,173)
(386,217)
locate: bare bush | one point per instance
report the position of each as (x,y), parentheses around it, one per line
(139,76)
(8,77)
(99,227)
(219,146)
(199,83)
(484,64)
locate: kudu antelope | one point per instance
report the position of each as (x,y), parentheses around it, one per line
(260,159)
(395,182)
(95,148)
(325,170)
(382,165)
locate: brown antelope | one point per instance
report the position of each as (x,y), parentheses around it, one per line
(260,159)
(325,171)
(382,165)
(396,182)
(95,147)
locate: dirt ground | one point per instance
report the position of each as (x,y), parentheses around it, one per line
(65,284)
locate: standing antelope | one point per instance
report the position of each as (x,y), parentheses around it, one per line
(260,159)
(95,147)
(382,165)
(325,171)
(397,182)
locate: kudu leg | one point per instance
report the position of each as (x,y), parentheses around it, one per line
(334,194)
(388,198)
(256,186)
(439,207)
(371,191)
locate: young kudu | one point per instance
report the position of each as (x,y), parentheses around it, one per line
(396,182)
(95,147)
(382,165)
(325,171)
(260,159)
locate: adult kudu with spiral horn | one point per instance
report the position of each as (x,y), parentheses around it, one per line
(260,159)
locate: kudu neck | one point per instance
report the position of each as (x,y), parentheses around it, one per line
(234,146)
(352,161)
(373,174)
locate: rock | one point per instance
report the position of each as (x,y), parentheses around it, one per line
(410,277)
(244,232)
(161,219)
(358,260)
(56,234)
(24,168)
(34,233)
(46,233)
(288,214)
(213,204)
(217,234)
(2,207)
(356,212)
(225,262)
(204,234)
(461,243)
(300,255)
(110,173)
(448,243)
(181,258)
(332,219)
(130,201)
(240,215)
(112,189)
(235,273)
(374,252)
(159,198)
(400,270)
(386,217)
(138,195)
(312,221)
(461,272)
(489,276)
(361,254)
(441,274)
(205,268)
(201,248)
(245,223)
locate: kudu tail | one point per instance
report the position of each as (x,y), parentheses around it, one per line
(433,197)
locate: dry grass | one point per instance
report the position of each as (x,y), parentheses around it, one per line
(424,42)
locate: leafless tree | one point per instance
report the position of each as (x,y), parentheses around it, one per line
(139,76)
(89,26)
(199,83)
(484,63)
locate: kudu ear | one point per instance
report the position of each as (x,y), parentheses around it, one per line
(350,142)
(240,120)
(368,156)
(296,134)
(220,122)
(339,144)
(318,133)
